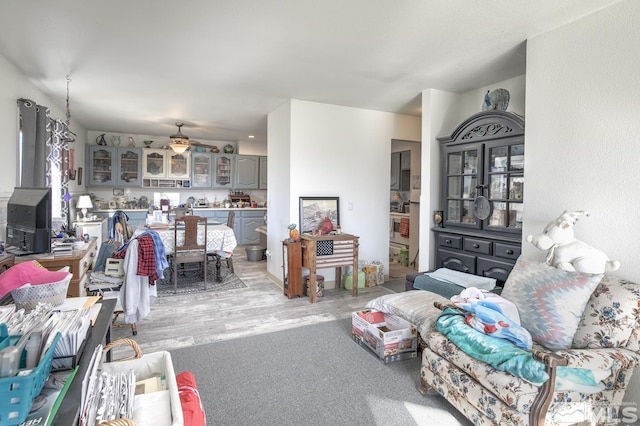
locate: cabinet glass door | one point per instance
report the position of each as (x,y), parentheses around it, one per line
(505,179)
(462,181)
(102,163)
(201,170)
(153,163)
(223,169)
(129,167)
(179,166)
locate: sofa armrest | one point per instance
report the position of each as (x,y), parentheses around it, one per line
(549,359)
(601,358)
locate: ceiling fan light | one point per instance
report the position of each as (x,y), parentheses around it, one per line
(179,147)
(179,141)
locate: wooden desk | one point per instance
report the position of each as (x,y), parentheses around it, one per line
(69,409)
(79,263)
(329,251)
(6,261)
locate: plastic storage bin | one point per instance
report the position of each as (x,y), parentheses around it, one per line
(17,393)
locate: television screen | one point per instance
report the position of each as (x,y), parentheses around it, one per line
(29,221)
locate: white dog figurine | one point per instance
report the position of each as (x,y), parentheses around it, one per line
(567,253)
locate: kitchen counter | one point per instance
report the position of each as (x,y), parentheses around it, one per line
(95,211)
(400,214)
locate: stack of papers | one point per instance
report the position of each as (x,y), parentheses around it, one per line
(60,248)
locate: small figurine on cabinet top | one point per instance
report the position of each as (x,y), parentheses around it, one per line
(294,235)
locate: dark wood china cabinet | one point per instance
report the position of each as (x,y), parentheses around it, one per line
(482,195)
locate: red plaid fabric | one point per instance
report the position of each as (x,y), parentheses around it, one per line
(147,258)
(120,254)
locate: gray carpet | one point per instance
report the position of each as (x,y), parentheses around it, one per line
(311,375)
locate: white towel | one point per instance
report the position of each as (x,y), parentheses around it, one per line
(463,279)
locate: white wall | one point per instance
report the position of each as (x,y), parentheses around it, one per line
(583,134)
(344,152)
(583,131)
(13,86)
(279,211)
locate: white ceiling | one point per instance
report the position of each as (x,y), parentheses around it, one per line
(221,66)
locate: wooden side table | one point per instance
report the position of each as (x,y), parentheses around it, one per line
(6,261)
(329,251)
(79,263)
(292,268)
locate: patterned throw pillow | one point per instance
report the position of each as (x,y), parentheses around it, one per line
(610,316)
(550,301)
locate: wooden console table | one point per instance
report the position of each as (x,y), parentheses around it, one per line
(79,263)
(292,268)
(329,251)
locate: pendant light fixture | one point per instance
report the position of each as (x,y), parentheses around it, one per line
(179,141)
(70,136)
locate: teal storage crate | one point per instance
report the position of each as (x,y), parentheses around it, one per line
(17,393)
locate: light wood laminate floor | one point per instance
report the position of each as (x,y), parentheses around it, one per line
(195,319)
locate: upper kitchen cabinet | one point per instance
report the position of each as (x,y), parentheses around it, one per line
(263,173)
(111,166)
(164,163)
(223,170)
(101,164)
(129,166)
(483,173)
(154,163)
(201,170)
(165,168)
(247,172)
(401,171)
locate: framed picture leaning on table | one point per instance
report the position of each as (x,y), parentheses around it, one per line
(314,210)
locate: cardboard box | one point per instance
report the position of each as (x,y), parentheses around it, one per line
(388,336)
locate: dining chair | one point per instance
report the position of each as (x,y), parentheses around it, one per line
(188,250)
(221,256)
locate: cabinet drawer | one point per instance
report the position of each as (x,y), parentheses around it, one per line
(477,246)
(450,241)
(86,262)
(494,269)
(456,261)
(508,251)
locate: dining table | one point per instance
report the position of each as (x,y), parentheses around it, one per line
(220,237)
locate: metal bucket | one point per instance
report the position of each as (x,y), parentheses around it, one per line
(255,253)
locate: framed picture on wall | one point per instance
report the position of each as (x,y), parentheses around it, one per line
(314,210)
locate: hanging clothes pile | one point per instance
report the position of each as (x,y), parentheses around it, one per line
(119,228)
(144,263)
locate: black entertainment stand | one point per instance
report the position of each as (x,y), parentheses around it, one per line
(69,409)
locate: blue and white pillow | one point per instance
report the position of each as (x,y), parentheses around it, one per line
(550,300)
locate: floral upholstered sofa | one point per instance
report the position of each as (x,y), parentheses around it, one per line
(584,326)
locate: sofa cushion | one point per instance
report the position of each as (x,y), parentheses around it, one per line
(415,306)
(550,300)
(610,316)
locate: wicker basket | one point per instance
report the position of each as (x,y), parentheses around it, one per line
(53,293)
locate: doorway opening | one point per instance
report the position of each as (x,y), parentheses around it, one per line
(404,207)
